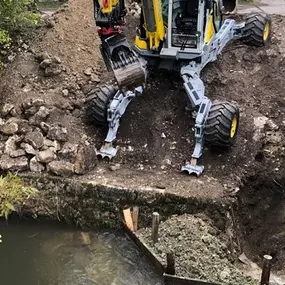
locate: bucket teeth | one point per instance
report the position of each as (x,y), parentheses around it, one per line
(192,169)
(106,151)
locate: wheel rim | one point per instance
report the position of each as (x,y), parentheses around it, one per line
(234,127)
(266,31)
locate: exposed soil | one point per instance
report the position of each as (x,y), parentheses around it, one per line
(157,133)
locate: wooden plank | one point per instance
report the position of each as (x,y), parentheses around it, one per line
(135,216)
(145,250)
(176,280)
(128,219)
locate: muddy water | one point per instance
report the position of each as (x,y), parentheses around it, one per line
(34,253)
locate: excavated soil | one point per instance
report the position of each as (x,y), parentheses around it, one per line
(200,250)
(156,134)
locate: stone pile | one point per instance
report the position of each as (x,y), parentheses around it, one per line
(27,142)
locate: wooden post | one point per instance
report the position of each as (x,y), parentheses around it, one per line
(155,224)
(266,270)
(135,217)
(170,269)
(128,219)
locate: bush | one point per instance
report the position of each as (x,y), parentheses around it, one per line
(16,16)
(17,20)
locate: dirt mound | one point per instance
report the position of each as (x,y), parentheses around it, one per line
(199,251)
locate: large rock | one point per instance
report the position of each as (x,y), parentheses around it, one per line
(39,116)
(36,166)
(53,70)
(68,152)
(35,139)
(17,153)
(53,145)
(61,168)
(58,134)
(28,148)
(23,125)
(9,128)
(45,156)
(46,63)
(12,144)
(85,160)
(6,109)
(13,164)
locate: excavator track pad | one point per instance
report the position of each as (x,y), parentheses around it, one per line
(129,70)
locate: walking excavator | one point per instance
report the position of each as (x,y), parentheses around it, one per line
(179,35)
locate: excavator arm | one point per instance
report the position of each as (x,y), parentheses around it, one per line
(119,57)
(128,67)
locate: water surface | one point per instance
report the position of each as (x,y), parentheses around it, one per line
(33,253)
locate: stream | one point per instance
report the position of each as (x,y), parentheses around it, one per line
(33,253)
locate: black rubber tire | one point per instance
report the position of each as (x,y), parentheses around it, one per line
(97,103)
(219,124)
(254,29)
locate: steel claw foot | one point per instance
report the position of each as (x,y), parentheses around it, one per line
(193,168)
(106,151)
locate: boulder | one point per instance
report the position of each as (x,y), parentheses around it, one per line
(61,168)
(46,63)
(68,151)
(35,139)
(53,145)
(45,156)
(17,153)
(85,160)
(36,166)
(23,125)
(28,148)
(13,164)
(9,128)
(12,144)
(39,116)
(58,134)
(52,70)
(6,109)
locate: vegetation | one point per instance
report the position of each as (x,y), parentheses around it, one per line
(13,192)
(17,18)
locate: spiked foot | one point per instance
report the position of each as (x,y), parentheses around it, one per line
(107,150)
(192,167)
